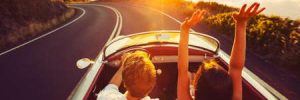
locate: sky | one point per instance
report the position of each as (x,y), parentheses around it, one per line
(284,8)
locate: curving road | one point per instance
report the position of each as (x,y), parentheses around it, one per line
(45,68)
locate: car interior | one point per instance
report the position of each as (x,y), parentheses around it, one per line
(165,60)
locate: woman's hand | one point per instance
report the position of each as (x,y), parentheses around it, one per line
(190,22)
(244,15)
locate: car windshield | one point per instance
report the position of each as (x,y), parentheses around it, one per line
(196,40)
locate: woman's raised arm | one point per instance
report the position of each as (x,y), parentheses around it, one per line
(237,58)
(183,92)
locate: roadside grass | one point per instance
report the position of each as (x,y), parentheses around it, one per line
(32,29)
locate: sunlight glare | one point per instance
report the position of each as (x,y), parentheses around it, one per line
(194,1)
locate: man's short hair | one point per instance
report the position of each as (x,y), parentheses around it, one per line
(139,74)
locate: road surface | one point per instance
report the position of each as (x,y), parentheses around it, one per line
(45,68)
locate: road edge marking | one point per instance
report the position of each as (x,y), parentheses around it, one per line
(169,16)
(46,34)
(82,87)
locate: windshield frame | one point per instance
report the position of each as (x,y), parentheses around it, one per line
(151,43)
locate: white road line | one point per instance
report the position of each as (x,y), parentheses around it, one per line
(48,33)
(169,17)
(247,74)
(121,24)
(84,84)
(119,17)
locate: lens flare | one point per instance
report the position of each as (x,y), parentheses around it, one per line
(194,1)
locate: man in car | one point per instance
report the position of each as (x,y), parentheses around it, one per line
(138,74)
(212,81)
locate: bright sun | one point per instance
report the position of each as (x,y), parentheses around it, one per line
(194,1)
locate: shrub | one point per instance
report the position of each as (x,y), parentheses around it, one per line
(274,38)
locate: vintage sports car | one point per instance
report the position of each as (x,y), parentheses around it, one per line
(162,46)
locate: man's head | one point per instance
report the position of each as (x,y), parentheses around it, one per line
(139,74)
(212,82)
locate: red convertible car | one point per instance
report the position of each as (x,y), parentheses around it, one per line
(162,46)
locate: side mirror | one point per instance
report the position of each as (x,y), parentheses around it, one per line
(83,63)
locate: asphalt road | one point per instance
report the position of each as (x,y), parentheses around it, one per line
(45,68)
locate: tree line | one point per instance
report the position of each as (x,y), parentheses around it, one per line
(273,38)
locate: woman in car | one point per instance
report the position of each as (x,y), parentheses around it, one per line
(211,80)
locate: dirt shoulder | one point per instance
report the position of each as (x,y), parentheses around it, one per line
(24,21)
